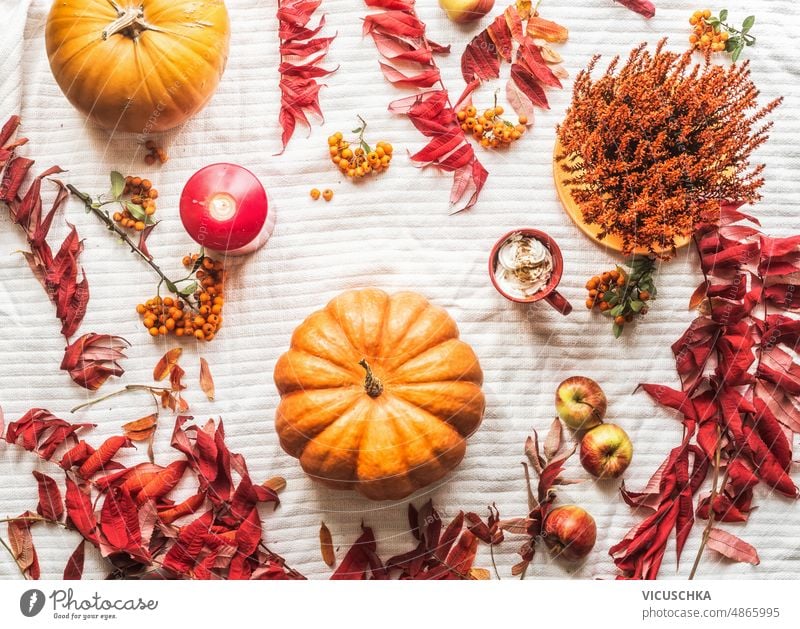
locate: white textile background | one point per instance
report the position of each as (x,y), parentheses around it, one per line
(392,232)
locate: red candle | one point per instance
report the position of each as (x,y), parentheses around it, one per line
(224,208)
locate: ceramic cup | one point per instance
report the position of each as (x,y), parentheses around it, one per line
(549,292)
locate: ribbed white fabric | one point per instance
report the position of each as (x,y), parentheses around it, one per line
(393,232)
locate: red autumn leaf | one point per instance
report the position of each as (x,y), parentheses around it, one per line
(181,557)
(79,511)
(206,380)
(538,27)
(73,571)
(784,296)
(399,34)
(92,359)
(76,455)
(480,59)
(164,482)
(360,560)
(732,547)
(119,524)
(101,457)
(58,274)
(642,7)
(21,542)
(189,506)
(462,555)
(166,363)
(141,429)
(143,236)
(298,85)
(39,431)
(50,504)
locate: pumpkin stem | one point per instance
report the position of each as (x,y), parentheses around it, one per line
(372,385)
(130,21)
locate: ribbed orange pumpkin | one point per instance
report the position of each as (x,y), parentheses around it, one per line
(138,65)
(378,394)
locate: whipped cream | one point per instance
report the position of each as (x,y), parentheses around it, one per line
(524,266)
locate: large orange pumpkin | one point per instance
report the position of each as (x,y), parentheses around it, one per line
(138,65)
(378,394)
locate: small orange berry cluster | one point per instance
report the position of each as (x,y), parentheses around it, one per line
(706,36)
(623,295)
(361,160)
(168,315)
(489,128)
(326,194)
(154,153)
(138,209)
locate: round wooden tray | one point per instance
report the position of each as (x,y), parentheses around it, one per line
(573,210)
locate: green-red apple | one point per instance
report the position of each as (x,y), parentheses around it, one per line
(580,403)
(466,10)
(606,451)
(569,532)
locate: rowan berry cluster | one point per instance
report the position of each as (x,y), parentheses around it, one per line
(172,315)
(138,203)
(358,159)
(489,128)
(623,294)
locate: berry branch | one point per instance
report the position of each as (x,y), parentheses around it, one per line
(95,207)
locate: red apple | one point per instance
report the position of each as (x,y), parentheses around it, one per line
(466,10)
(580,403)
(606,451)
(569,532)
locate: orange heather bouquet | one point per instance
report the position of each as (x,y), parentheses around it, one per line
(653,147)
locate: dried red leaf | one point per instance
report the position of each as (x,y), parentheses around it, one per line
(547,30)
(326,545)
(642,7)
(73,571)
(298,77)
(102,456)
(92,359)
(141,429)
(21,542)
(531,71)
(163,483)
(57,274)
(399,35)
(119,524)
(166,363)
(39,431)
(51,505)
(206,380)
(79,510)
(732,547)
(187,507)
(361,560)
(76,455)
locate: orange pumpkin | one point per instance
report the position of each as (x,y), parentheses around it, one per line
(378,394)
(138,65)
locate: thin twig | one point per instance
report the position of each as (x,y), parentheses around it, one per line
(125,389)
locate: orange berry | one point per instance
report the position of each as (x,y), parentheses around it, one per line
(315,193)
(327,194)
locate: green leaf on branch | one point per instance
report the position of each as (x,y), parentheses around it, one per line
(117,184)
(136,211)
